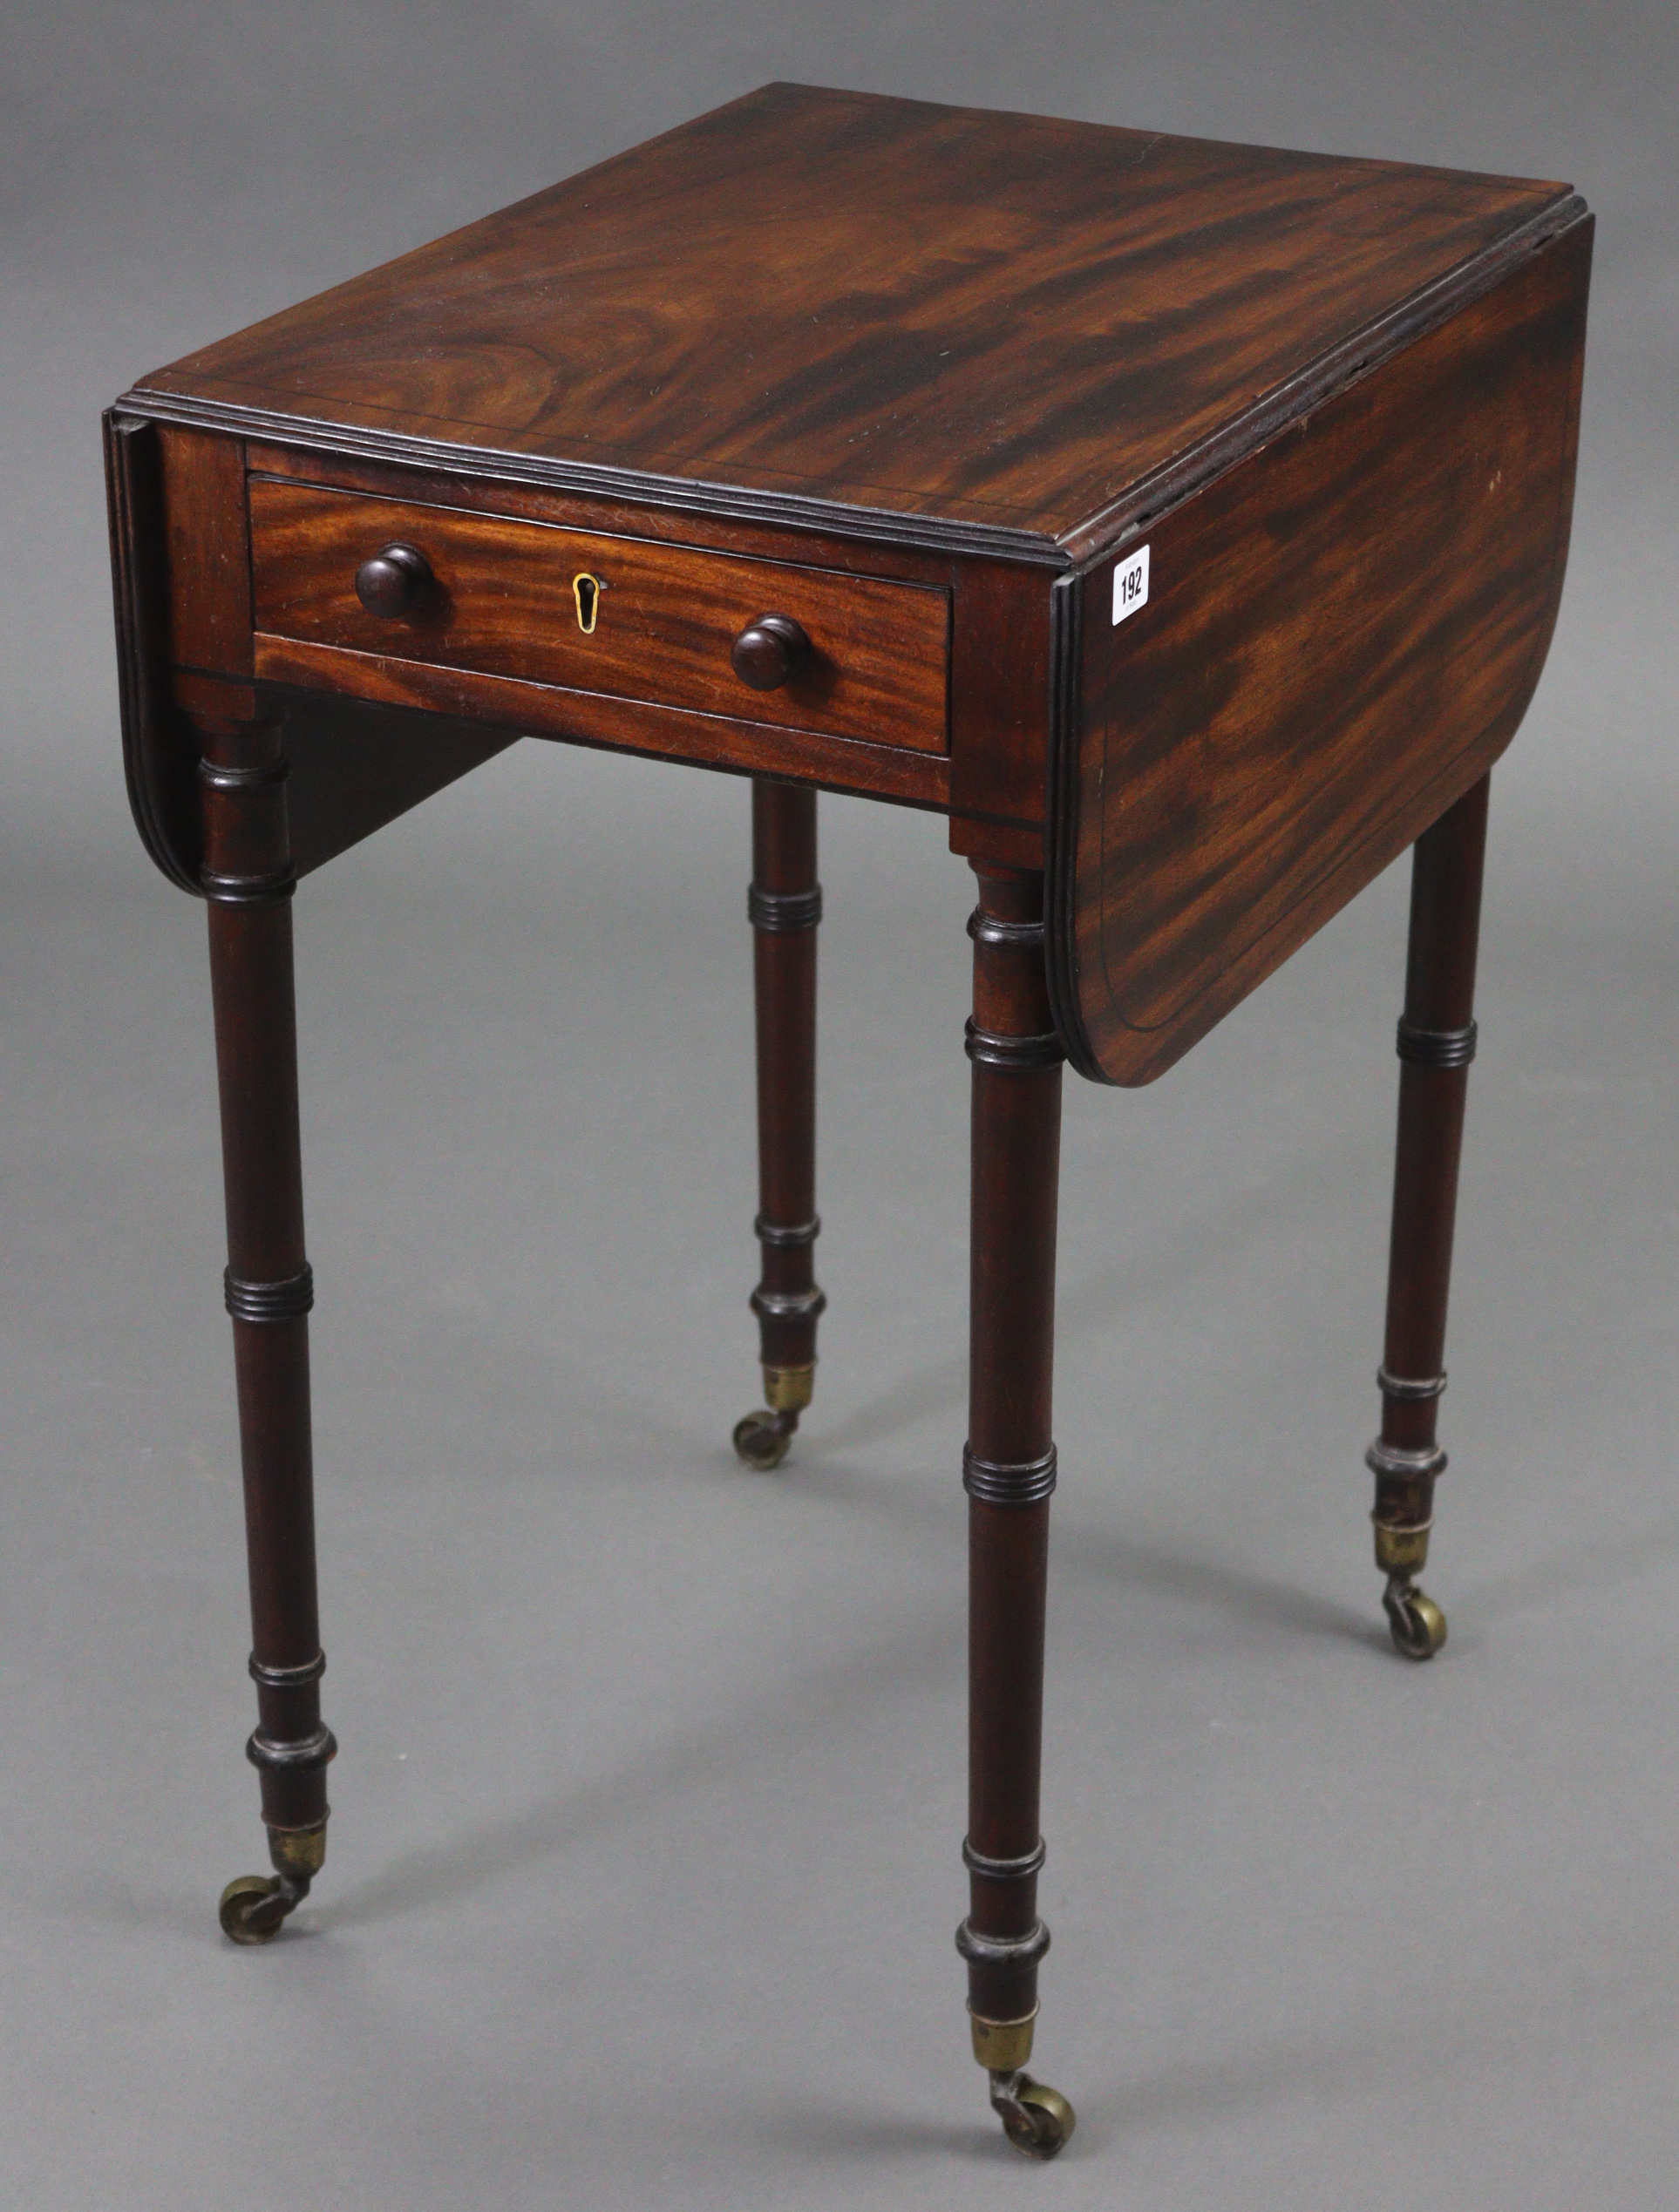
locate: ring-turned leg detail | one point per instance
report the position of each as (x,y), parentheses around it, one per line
(269,1290)
(1436,1044)
(785,906)
(291,1756)
(1008,1471)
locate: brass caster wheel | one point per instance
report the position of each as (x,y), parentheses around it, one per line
(763,1439)
(253,1907)
(1419,1626)
(1037,2120)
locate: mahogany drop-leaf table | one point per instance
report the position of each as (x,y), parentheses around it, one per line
(1186,522)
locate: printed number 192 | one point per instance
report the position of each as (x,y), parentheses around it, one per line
(1131,585)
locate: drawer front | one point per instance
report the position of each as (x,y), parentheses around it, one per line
(501,600)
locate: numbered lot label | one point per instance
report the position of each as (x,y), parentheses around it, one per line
(1131,585)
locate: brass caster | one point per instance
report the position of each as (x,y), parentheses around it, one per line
(253,1906)
(1419,1626)
(1037,2120)
(763,1439)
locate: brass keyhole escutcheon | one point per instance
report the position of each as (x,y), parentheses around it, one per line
(586,590)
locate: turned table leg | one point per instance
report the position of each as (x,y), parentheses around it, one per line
(1008,1471)
(1436,1044)
(784,904)
(247,883)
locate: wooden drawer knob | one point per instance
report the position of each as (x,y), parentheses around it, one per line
(769,651)
(392,581)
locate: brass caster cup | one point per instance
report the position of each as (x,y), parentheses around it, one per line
(763,1439)
(1037,2120)
(788,1389)
(1401,1552)
(1002,2046)
(298,1852)
(253,1907)
(1417,1624)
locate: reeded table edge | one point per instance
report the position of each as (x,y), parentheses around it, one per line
(688,495)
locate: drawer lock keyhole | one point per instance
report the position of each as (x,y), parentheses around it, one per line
(586,590)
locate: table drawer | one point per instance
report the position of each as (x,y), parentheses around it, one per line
(650,621)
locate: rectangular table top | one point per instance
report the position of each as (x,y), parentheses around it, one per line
(989,332)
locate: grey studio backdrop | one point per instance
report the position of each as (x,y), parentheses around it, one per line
(643,1864)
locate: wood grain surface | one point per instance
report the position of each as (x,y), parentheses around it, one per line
(332,674)
(1341,637)
(985,321)
(207,551)
(502,604)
